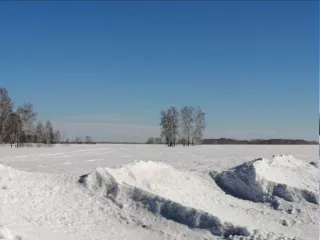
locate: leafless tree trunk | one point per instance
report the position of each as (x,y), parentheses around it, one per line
(40,132)
(200,125)
(49,132)
(170,125)
(14,129)
(174,124)
(187,123)
(88,139)
(6,107)
(164,123)
(28,117)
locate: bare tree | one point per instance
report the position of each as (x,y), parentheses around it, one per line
(187,123)
(40,133)
(88,139)
(48,131)
(57,137)
(78,140)
(173,115)
(170,125)
(6,107)
(28,117)
(14,129)
(200,124)
(192,124)
(164,123)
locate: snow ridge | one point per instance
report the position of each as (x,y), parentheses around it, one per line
(262,179)
(103,183)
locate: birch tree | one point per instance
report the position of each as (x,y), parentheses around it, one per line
(14,129)
(6,108)
(199,126)
(40,133)
(173,115)
(164,123)
(28,117)
(48,131)
(187,123)
(88,139)
(170,125)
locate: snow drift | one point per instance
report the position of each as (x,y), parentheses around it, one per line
(40,197)
(265,180)
(6,234)
(158,188)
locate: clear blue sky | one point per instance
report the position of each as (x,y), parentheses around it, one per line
(108,68)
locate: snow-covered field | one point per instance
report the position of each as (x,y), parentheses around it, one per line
(103,192)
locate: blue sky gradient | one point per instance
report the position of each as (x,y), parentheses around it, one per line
(108,68)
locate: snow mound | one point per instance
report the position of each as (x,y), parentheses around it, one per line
(264,180)
(158,188)
(6,234)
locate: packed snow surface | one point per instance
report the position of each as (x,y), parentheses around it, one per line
(155,192)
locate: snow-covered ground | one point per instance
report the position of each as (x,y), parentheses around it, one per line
(155,192)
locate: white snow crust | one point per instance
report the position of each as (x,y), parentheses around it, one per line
(154,192)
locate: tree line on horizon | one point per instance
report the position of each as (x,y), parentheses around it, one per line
(182,127)
(272,141)
(230,141)
(19,125)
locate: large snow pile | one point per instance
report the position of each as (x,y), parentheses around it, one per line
(162,190)
(263,179)
(52,206)
(187,198)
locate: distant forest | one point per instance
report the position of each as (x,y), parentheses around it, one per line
(228,141)
(221,141)
(259,141)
